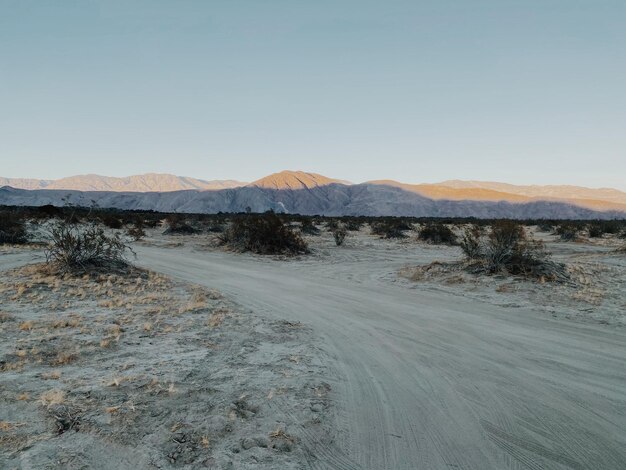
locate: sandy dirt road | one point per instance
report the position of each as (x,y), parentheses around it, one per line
(430,380)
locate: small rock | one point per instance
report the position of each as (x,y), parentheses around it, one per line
(317,407)
(262,441)
(246,414)
(248,443)
(217,424)
(283,445)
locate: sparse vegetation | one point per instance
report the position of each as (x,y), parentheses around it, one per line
(308,227)
(600,227)
(339,234)
(111,221)
(264,234)
(136,231)
(437,234)
(567,232)
(74,248)
(471,242)
(390,228)
(178,225)
(507,248)
(12,228)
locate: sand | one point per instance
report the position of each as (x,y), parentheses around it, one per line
(139,371)
(442,371)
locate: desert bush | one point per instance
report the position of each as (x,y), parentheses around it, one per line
(390,228)
(545,227)
(263,234)
(600,227)
(178,225)
(353,225)
(75,248)
(151,222)
(471,242)
(505,240)
(332,224)
(567,232)
(339,234)
(47,211)
(438,234)
(12,228)
(136,231)
(308,227)
(111,221)
(507,248)
(215,227)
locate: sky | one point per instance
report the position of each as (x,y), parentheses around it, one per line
(524,92)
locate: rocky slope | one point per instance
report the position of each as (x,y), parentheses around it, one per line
(333,199)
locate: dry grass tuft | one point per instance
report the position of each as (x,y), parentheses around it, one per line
(64,358)
(27,325)
(52,397)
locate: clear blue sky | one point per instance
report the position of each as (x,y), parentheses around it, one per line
(527,91)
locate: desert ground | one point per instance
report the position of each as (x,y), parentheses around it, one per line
(360,356)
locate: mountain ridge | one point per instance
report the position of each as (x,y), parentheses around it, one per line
(312,193)
(147,182)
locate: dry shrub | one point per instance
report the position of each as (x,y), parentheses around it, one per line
(12,229)
(136,232)
(264,234)
(470,242)
(567,232)
(74,249)
(437,234)
(353,225)
(308,227)
(600,227)
(339,234)
(111,221)
(52,397)
(177,225)
(507,249)
(390,228)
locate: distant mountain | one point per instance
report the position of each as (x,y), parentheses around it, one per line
(138,183)
(596,199)
(545,192)
(294,180)
(309,193)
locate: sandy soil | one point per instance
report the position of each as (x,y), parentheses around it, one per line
(139,371)
(445,375)
(438,370)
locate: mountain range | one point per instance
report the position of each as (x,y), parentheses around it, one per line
(311,193)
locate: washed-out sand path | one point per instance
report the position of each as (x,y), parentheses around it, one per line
(427,379)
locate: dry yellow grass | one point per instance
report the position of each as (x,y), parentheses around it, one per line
(27,325)
(64,358)
(54,375)
(52,397)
